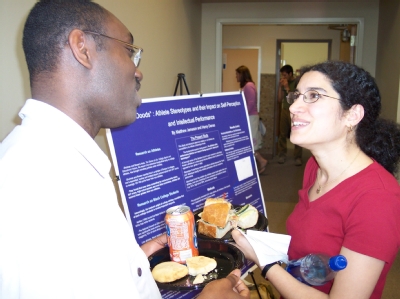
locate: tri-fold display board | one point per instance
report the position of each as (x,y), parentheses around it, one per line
(183,150)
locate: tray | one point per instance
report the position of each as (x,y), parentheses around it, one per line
(228,258)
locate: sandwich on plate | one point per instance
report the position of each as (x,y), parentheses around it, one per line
(219,217)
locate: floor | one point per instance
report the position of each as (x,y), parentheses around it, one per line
(279,184)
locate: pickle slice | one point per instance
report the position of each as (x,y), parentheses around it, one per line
(242,209)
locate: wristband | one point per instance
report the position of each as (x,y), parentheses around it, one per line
(267,267)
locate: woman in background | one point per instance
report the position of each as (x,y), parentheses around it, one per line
(350,200)
(248,87)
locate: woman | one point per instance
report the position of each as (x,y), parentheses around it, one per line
(248,87)
(350,201)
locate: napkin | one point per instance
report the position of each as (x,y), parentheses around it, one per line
(269,247)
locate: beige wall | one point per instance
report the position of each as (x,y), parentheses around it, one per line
(169,32)
(265,36)
(212,13)
(14,80)
(299,55)
(388,58)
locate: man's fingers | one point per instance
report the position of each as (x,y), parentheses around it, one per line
(234,277)
(242,289)
(237,284)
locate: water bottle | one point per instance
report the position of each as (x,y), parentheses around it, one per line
(316,269)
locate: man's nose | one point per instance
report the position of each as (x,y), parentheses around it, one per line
(139,75)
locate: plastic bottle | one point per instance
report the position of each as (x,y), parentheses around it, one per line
(316,269)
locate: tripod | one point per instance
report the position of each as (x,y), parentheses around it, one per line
(181,77)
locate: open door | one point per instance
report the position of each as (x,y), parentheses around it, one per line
(235,57)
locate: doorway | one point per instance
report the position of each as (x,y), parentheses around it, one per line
(291,51)
(232,58)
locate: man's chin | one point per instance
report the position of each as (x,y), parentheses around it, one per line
(124,122)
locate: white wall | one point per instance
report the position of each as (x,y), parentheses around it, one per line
(212,13)
(169,32)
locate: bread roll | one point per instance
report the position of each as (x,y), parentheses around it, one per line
(247,218)
(200,265)
(169,271)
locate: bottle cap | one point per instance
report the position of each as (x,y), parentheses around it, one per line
(337,262)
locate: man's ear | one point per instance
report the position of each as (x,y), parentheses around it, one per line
(355,114)
(80,47)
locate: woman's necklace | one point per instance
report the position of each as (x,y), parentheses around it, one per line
(329,182)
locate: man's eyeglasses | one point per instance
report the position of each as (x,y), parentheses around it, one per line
(135,50)
(310,96)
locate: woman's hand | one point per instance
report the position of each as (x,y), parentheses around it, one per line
(231,287)
(155,244)
(245,247)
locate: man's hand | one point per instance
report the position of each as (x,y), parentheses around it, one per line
(284,83)
(231,287)
(155,244)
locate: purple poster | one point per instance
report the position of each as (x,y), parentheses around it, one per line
(183,150)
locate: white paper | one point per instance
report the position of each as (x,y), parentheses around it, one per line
(269,247)
(243,168)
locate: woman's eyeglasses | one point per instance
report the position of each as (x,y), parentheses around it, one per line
(310,96)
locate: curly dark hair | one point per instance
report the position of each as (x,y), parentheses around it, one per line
(377,137)
(48,26)
(245,75)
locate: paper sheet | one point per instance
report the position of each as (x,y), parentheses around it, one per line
(269,247)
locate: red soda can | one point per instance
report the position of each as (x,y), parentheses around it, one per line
(181,234)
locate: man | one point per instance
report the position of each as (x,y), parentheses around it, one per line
(62,234)
(287,84)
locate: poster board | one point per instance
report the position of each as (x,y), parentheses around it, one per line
(183,150)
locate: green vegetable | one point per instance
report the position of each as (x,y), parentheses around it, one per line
(242,209)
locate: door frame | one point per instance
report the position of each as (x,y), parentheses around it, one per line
(284,21)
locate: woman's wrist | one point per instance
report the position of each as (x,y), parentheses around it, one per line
(269,266)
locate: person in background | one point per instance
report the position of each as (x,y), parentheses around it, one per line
(287,85)
(248,87)
(62,233)
(350,200)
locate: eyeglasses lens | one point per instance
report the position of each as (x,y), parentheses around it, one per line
(309,96)
(291,97)
(137,57)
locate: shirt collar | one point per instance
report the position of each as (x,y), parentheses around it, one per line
(67,131)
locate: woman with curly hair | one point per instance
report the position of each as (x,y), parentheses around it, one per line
(350,200)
